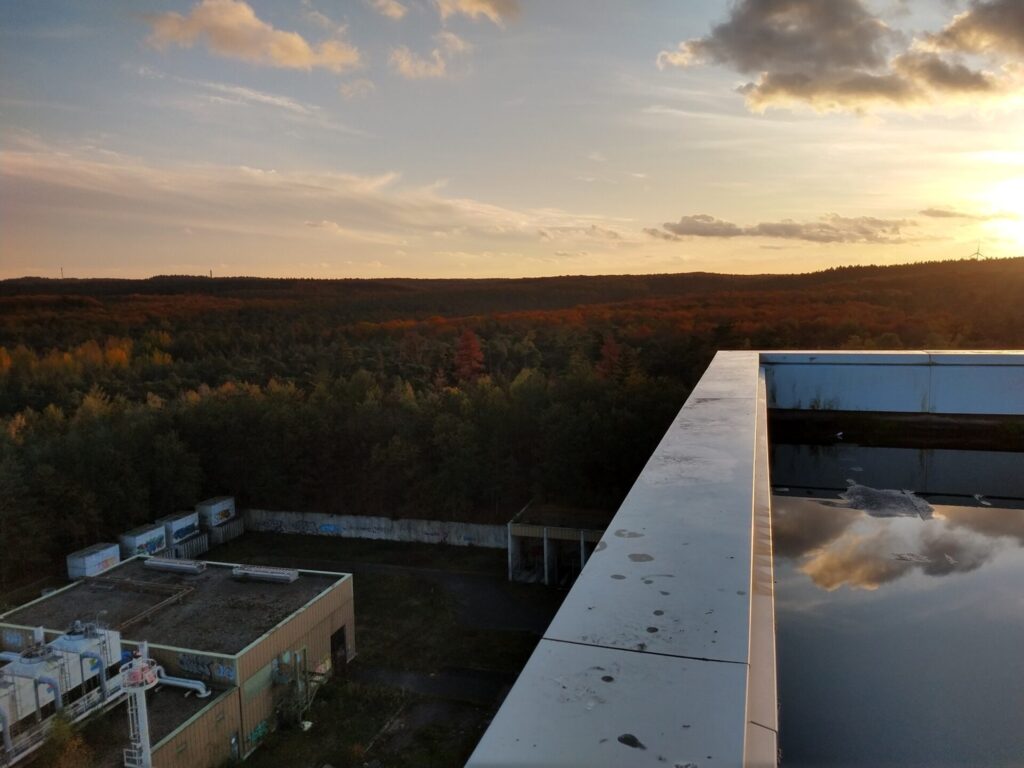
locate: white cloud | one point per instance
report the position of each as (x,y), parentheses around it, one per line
(230,28)
(497,11)
(356,89)
(390,8)
(412,66)
(89,185)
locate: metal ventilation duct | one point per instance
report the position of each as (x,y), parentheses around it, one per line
(175,566)
(265,573)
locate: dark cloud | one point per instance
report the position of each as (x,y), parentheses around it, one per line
(992,27)
(791,35)
(947,213)
(951,213)
(838,55)
(990,521)
(799,526)
(938,74)
(828,229)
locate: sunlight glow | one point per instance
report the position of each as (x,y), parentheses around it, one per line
(1007,198)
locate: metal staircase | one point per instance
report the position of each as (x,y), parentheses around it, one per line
(134,755)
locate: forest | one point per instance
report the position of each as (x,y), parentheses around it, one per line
(124,400)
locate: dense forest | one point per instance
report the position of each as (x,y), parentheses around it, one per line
(455,399)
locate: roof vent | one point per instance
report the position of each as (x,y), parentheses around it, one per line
(175,566)
(265,573)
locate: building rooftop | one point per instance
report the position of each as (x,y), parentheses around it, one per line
(167,709)
(556,516)
(211,611)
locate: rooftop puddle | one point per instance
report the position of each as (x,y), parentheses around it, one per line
(899,605)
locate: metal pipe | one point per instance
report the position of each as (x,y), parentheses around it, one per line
(6,728)
(10,656)
(102,673)
(182,682)
(55,686)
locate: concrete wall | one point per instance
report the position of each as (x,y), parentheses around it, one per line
(364,527)
(205,740)
(309,632)
(990,383)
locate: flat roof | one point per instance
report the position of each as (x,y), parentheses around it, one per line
(168,709)
(214,611)
(557,516)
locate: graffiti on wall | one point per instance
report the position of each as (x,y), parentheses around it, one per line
(150,545)
(259,732)
(13,639)
(206,668)
(358,527)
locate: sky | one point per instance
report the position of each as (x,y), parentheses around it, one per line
(506,138)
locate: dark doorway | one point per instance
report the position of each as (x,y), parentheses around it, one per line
(339,649)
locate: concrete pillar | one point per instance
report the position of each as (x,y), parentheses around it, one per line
(508,527)
(583,552)
(547,569)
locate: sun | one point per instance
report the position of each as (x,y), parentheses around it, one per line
(1005,203)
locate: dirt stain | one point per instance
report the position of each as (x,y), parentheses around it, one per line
(631,741)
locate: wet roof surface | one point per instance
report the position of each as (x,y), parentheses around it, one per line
(220,615)
(899,609)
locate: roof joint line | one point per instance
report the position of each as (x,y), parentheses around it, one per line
(644,652)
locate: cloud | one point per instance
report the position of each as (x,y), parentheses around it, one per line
(884,554)
(498,11)
(799,526)
(358,235)
(592,232)
(790,35)
(986,27)
(831,228)
(838,55)
(390,8)
(412,66)
(356,89)
(952,213)
(230,28)
(212,92)
(241,94)
(991,521)
(79,186)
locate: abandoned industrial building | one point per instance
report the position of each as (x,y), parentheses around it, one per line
(225,651)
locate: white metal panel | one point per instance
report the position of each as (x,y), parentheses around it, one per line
(731,374)
(987,382)
(673,573)
(216,511)
(978,389)
(855,387)
(564,711)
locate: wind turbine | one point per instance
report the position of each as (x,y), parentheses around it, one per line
(977,254)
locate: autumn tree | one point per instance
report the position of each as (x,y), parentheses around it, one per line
(469,356)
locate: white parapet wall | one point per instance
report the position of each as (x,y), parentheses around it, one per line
(663,652)
(384,528)
(961,383)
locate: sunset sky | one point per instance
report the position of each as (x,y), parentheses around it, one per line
(443,138)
